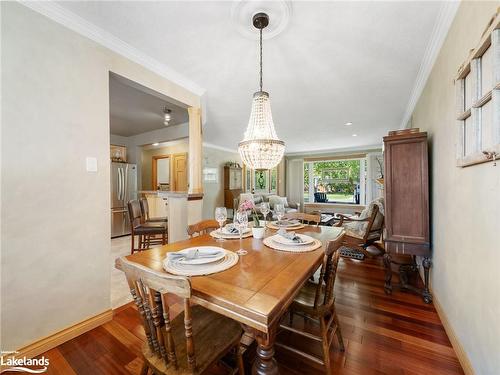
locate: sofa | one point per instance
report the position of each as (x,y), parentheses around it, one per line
(271,198)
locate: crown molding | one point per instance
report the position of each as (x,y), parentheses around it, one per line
(222,148)
(72,21)
(336,151)
(441,27)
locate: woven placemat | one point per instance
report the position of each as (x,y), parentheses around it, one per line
(217,234)
(268,241)
(271,225)
(180,269)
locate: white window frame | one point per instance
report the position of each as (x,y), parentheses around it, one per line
(472,68)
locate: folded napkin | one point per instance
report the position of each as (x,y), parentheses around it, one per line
(291,236)
(231,229)
(194,254)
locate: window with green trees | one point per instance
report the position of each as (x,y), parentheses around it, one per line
(338,180)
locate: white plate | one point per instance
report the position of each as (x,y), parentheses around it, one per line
(226,233)
(287,224)
(201,260)
(284,241)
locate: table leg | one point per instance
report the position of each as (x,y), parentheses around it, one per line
(265,364)
(388,273)
(426,294)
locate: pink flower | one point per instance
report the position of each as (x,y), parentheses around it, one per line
(247,205)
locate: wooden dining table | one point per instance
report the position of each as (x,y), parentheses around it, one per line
(257,291)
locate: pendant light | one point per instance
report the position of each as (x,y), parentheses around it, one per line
(166,116)
(261,147)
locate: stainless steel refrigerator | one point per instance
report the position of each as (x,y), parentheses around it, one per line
(123,189)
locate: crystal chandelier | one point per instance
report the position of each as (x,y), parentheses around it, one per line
(261,147)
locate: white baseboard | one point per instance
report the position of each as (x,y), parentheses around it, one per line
(58,338)
(455,342)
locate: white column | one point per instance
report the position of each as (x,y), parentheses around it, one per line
(195,151)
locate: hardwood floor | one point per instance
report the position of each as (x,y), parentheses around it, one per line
(395,334)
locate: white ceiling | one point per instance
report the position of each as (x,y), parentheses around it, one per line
(334,62)
(133,111)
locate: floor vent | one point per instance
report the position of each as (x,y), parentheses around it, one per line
(351,253)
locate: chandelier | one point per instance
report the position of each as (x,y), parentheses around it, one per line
(261,147)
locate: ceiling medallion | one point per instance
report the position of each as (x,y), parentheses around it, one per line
(261,148)
(242,12)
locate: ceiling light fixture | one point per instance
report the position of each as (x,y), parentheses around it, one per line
(354,135)
(166,116)
(348,123)
(261,148)
(156,144)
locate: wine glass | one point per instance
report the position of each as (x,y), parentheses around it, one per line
(264,208)
(221,217)
(279,210)
(241,222)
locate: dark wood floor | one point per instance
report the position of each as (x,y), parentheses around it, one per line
(395,334)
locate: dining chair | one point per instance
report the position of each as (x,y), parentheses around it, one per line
(304,218)
(202,227)
(147,232)
(191,342)
(316,302)
(145,212)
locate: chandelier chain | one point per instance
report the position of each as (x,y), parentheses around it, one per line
(260,59)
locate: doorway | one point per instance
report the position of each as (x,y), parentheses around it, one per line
(160,175)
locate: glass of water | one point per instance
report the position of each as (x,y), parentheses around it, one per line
(279,210)
(241,222)
(221,217)
(264,208)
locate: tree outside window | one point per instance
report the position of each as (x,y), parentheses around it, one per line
(339,179)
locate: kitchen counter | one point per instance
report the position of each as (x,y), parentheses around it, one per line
(169,193)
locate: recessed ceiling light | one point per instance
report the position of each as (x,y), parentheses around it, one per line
(156,144)
(354,135)
(348,123)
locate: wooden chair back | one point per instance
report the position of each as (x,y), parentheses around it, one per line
(202,227)
(304,218)
(149,290)
(144,207)
(370,222)
(134,213)
(324,297)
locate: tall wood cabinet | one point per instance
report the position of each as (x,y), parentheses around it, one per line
(233,185)
(406,187)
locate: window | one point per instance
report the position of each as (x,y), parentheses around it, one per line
(262,181)
(335,181)
(478,100)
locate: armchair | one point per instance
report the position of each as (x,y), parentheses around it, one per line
(364,230)
(320,198)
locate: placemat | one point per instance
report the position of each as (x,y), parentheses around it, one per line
(268,241)
(225,263)
(217,234)
(271,225)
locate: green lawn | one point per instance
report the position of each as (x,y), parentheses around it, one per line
(336,197)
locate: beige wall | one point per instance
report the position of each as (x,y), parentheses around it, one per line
(465,205)
(214,193)
(147,156)
(55,234)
